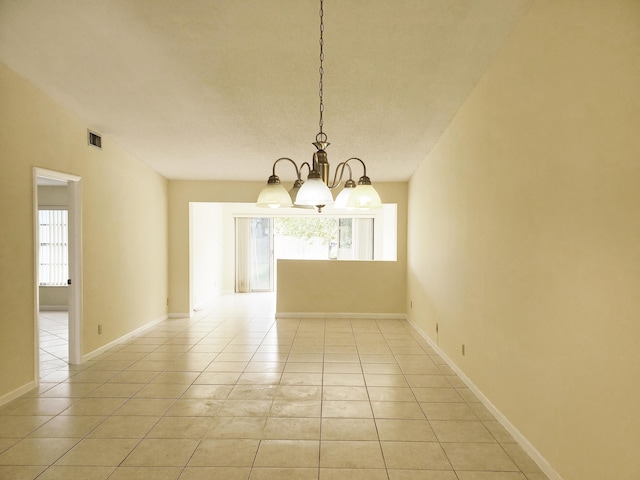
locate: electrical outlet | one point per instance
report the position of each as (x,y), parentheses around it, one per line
(411,303)
(167,301)
(463,349)
(437,327)
(99,329)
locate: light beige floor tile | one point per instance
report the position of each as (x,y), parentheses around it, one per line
(245,408)
(284,428)
(180,427)
(70,390)
(338,367)
(195,407)
(121,426)
(353,474)
(145,406)
(133,377)
(98,452)
(162,390)
(300,378)
(498,431)
(20,426)
(76,473)
(376,355)
(287,453)
(7,443)
(95,406)
(385,380)
(491,476)
(257,378)
(391,394)
(350,454)
(521,459)
(36,451)
(428,381)
(20,472)
(349,429)
(299,392)
(399,410)
(157,452)
(343,379)
(271,473)
(217,378)
(146,473)
(437,395)
(214,473)
(415,455)
(346,409)
(299,367)
(345,358)
(68,426)
(227,367)
(461,431)
(125,390)
(255,391)
(381,368)
(264,367)
(183,378)
(345,393)
(448,411)
(41,406)
(405,430)
(225,453)
(236,427)
(296,408)
(479,457)
(421,475)
(213,392)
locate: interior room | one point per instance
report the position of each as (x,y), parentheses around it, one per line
(496,341)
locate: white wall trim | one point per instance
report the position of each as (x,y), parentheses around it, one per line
(179,315)
(18,392)
(117,341)
(326,315)
(526,445)
(53,308)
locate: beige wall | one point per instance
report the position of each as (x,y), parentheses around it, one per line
(340,287)
(524,239)
(181,192)
(124,227)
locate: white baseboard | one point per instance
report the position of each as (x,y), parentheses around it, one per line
(179,315)
(326,316)
(115,342)
(53,308)
(526,445)
(17,392)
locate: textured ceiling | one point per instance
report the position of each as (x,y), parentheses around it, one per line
(219,89)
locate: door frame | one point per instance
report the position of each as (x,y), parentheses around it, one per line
(74,205)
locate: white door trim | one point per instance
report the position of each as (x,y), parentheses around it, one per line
(74,186)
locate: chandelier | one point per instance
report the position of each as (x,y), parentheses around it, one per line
(316,190)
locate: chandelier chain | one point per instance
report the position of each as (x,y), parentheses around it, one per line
(321,136)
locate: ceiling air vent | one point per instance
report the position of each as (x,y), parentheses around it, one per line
(94,139)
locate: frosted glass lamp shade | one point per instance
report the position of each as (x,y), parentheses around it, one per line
(274,195)
(343,197)
(363,197)
(314,192)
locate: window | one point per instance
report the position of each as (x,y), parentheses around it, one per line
(54,243)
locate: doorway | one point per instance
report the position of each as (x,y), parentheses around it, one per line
(57,254)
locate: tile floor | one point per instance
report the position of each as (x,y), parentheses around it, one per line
(54,341)
(234,394)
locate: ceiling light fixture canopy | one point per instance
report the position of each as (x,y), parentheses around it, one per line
(316,191)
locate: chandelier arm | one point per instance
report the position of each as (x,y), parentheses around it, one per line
(295,165)
(364,166)
(340,169)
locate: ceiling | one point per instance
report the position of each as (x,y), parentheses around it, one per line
(219,89)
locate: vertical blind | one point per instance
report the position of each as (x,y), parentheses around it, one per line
(54,247)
